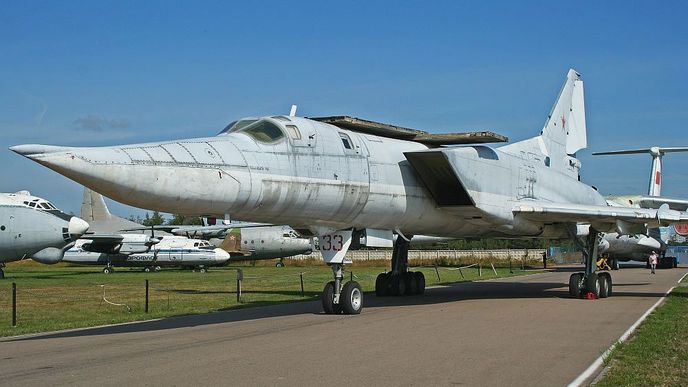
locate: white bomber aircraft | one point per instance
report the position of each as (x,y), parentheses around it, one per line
(31,227)
(340,176)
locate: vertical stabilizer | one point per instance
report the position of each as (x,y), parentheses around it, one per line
(93,207)
(564,132)
(655,186)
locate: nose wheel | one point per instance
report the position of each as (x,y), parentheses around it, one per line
(339,297)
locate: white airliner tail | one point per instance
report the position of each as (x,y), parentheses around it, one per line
(655,184)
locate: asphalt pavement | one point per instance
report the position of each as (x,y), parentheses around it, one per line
(522,331)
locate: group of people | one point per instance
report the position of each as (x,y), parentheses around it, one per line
(652,262)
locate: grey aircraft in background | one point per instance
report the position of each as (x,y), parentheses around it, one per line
(338,177)
(638,247)
(31,227)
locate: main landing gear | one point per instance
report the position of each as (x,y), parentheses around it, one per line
(400,281)
(590,284)
(108,269)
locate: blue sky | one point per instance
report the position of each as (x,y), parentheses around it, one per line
(103,73)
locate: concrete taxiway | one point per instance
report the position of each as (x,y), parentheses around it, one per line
(516,331)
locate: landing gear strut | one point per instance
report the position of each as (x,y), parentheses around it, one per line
(400,281)
(590,284)
(341,297)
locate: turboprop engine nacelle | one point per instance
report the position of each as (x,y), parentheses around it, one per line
(49,255)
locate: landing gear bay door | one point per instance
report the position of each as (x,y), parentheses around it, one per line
(334,246)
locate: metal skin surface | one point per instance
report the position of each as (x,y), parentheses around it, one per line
(170,251)
(25,230)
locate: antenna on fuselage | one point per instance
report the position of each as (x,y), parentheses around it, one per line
(292,112)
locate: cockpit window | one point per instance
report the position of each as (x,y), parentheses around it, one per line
(45,206)
(294,132)
(264,131)
(236,125)
(346,141)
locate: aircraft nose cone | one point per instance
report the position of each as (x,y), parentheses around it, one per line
(77,227)
(221,255)
(30,150)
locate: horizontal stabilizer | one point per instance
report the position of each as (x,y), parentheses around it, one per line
(642,151)
(401,133)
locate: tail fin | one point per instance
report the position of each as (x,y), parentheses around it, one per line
(93,207)
(655,186)
(565,132)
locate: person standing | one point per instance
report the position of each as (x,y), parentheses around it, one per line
(653,261)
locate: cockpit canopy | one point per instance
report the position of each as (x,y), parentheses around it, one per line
(40,204)
(205,245)
(262,130)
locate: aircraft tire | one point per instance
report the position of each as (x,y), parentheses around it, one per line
(107,270)
(605,281)
(575,282)
(398,285)
(202,270)
(381,284)
(615,264)
(351,299)
(592,284)
(147,269)
(329,307)
(420,278)
(411,283)
(279,264)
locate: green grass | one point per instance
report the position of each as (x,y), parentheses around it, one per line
(64,296)
(657,354)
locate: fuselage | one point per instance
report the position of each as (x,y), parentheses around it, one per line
(310,174)
(170,251)
(29,224)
